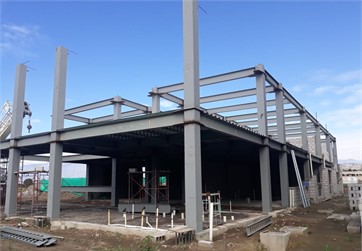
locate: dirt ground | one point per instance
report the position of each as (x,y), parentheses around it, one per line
(323,234)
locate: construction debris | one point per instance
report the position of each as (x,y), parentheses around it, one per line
(28,237)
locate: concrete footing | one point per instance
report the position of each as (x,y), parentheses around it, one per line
(275,241)
(294,230)
(207,244)
(354,226)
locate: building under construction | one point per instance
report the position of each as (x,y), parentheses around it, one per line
(256,143)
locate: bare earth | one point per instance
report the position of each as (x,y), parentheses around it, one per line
(323,235)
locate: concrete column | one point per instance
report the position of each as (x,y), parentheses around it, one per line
(113,182)
(192,134)
(56,147)
(303,125)
(318,143)
(155,100)
(87,194)
(284,178)
(261,101)
(14,152)
(266,192)
(117,107)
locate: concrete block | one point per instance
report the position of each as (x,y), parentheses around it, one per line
(207,244)
(275,241)
(326,211)
(294,230)
(354,226)
(341,217)
(355,215)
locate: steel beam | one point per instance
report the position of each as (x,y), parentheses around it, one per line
(173,98)
(87,189)
(77,118)
(88,107)
(16,131)
(211,80)
(122,126)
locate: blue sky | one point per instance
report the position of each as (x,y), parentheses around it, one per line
(125,48)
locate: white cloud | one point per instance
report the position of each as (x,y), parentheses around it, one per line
(323,89)
(354,75)
(349,144)
(344,118)
(167,104)
(18,39)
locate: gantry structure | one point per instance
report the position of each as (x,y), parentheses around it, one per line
(237,142)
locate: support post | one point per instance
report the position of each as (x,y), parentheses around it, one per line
(117,107)
(318,143)
(328,146)
(192,134)
(56,146)
(266,194)
(284,178)
(14,152)
(113,182)
(261,101)
(303,125)
(155,100)
(87,194)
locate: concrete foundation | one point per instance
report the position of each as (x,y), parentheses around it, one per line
(354,226)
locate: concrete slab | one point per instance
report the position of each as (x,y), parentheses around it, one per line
(275,241)
(354,226)
(326,211)
(208,244)
(294,230)
(340,217)
(355,215)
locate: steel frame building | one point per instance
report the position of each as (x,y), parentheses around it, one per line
(242,150)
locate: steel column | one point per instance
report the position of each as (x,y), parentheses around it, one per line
(266,193)
(192,134)
(113,182)
(306,169)
(87,194)
(318,143)
(284,178)
(261,102)
(117,107)
(155,100)
(328,147)
(14,152)
(303,125)
(55,177)
(56,147)
(279,105)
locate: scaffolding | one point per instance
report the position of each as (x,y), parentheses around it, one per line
(214,198)
(36,176)
(148,186)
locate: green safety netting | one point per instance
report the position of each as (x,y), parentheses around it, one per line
(66,182)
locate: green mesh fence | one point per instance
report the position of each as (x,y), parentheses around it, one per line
(66,182)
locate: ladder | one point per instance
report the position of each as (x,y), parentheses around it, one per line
(5,120)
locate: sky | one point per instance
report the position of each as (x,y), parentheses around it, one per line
(126,47)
